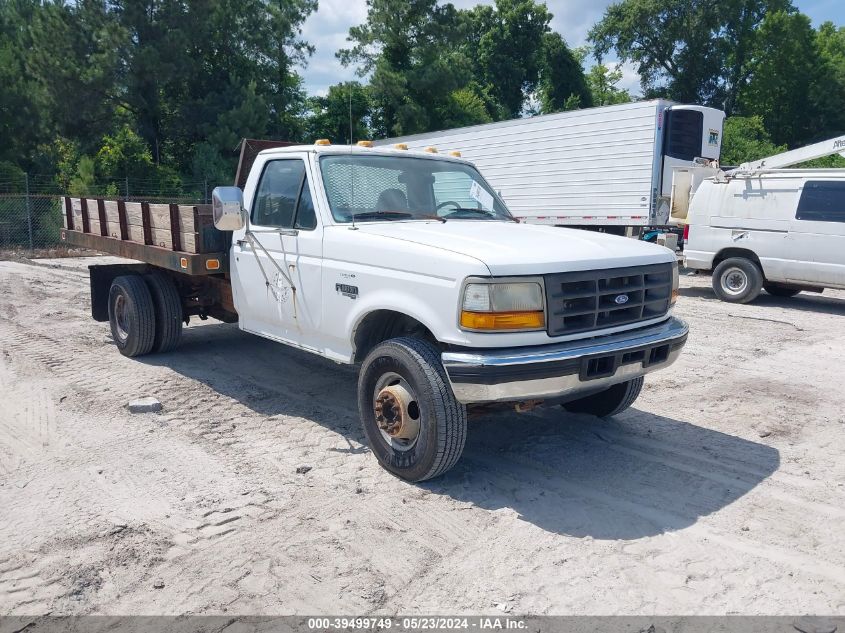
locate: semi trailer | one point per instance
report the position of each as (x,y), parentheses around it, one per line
(607,168)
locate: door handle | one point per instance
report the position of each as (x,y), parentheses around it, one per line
(242,243)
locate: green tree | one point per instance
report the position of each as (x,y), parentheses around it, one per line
(745,139)
(688,50)
(830,42)
(330,115)
(465,106)
(509,51)
(73,60)
(786,87)
(434,67)
(410,47)
(23,121)
(83,180)
(603,83)
(562,85)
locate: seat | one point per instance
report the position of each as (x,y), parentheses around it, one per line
(392,200)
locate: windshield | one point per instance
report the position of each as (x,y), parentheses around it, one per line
(377,188)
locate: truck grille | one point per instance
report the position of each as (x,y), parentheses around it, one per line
(597,299)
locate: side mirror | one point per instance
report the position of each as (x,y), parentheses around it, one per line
(227,206)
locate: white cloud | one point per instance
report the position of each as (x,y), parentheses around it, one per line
(328,27)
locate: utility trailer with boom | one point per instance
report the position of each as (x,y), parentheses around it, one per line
(608,168)
(406,264)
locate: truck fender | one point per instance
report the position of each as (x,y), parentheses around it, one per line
(405,304)
(101,277)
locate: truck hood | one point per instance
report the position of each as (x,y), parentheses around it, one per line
(508,248)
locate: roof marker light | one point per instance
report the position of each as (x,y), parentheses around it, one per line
(364,143)
(401,146)
(322,141)
(455,153)
(430,150)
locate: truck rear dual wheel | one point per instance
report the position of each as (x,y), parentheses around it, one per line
(415,426)
(145,314)
(168,311)
(609,402)
(132,315)
(737,280)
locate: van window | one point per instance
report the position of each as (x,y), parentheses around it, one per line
(822,201)
(684,131)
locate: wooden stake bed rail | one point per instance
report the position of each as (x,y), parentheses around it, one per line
(172,236)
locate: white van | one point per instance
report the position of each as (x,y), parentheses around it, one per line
(781,230)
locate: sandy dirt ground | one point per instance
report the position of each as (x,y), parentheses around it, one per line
(720,492)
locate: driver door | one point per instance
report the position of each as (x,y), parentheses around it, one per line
(277,263)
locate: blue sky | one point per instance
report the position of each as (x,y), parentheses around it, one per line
(328,26)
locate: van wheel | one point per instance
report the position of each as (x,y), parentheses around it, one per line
(415,426)
(131,315)
(777,290)
(609,402)
(737,280)
(168,311)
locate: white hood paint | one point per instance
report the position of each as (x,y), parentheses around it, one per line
(522,249)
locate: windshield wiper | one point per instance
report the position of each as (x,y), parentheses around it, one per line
(363,215)
(484,212)
(398,215)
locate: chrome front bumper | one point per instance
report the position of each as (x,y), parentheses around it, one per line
(563,369)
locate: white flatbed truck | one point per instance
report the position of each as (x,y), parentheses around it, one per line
(407,264)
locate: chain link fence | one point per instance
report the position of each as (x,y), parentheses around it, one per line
(31,208)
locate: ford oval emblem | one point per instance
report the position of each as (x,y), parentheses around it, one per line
(621,299)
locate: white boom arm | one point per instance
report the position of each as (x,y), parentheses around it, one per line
(800,155)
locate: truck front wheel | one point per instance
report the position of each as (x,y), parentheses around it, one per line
(737,280)
(609,402)
(415,426)
(131,315)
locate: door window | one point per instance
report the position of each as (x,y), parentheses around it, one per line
(822,201)
(283,198)
(306,216)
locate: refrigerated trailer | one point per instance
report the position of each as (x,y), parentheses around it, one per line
(608,167)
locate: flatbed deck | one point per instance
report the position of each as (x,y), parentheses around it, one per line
(181,238)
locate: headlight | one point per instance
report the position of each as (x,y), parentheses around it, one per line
(676,284)
(512,305)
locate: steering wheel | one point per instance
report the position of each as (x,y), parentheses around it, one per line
(452,202)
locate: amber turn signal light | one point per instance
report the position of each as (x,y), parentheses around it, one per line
(503,320)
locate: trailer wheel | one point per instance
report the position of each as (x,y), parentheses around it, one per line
(168,311)
(777,290)
(609,402)
(737,280)
(415,426)
(131,315)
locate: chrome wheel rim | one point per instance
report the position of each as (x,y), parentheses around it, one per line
(734,281)
(121,317)
(396,411)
